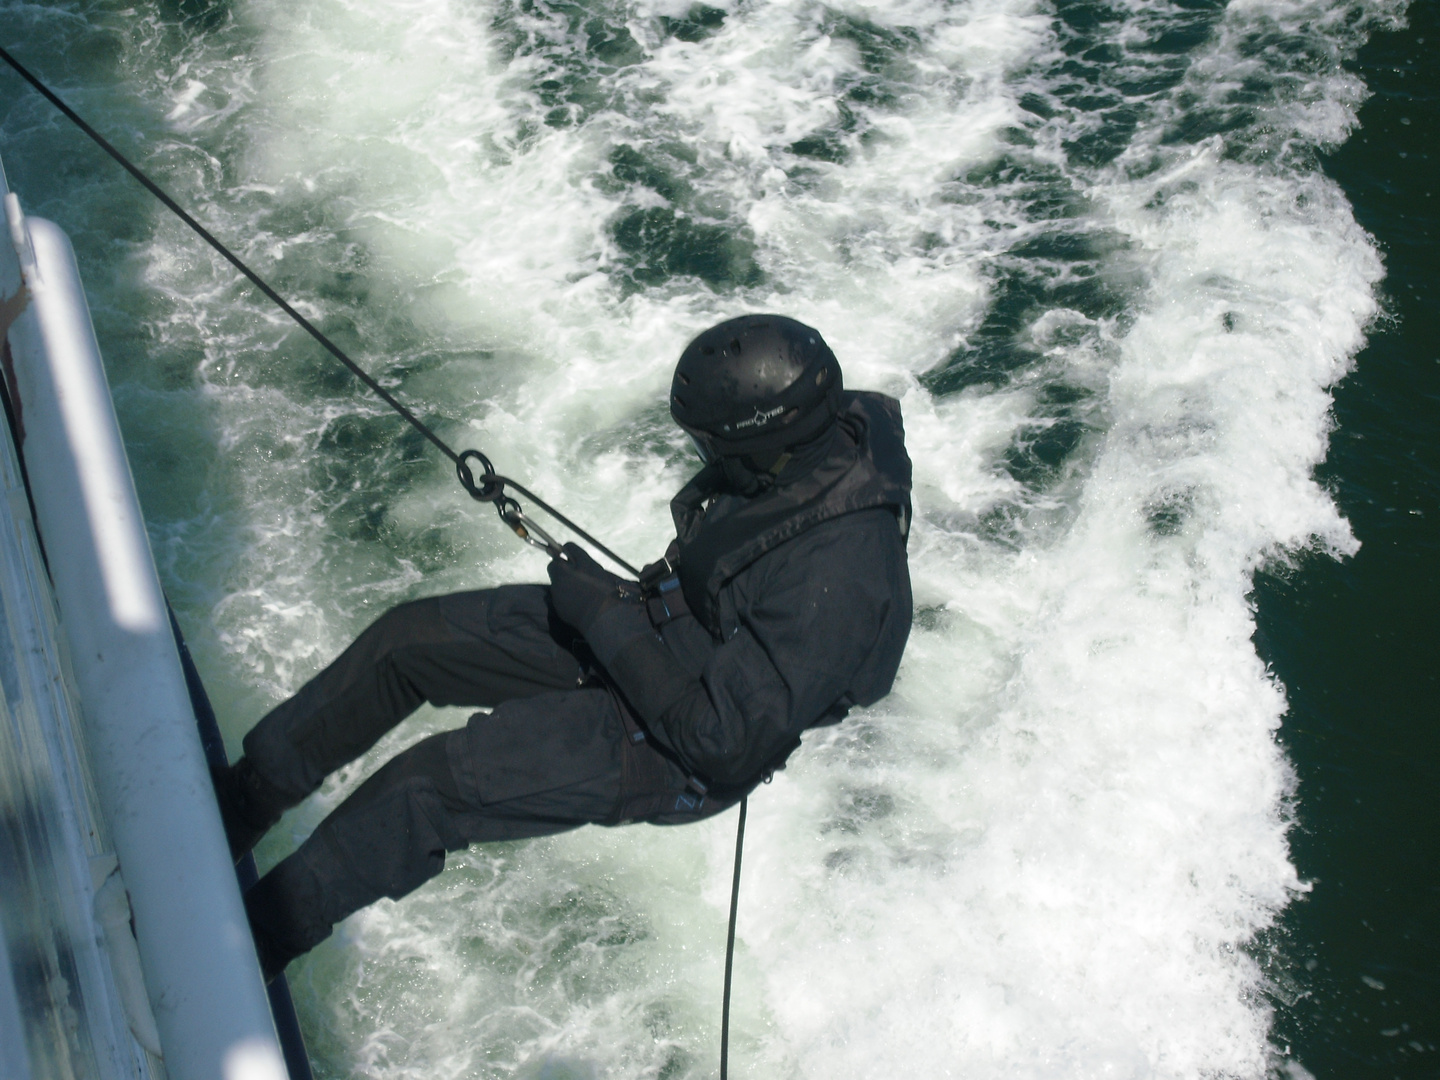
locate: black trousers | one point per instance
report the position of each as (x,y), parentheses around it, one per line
(559,750)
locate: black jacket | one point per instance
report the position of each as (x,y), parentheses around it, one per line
(798,606)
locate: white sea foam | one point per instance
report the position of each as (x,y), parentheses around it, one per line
(1050,852)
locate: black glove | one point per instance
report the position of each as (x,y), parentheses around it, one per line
(582,590)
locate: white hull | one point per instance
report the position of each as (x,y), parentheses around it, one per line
(98,692)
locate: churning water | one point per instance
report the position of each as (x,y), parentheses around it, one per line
(1089,247)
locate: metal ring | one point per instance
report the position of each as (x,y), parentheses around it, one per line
(487,490)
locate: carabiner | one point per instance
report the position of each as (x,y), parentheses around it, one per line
(527,530)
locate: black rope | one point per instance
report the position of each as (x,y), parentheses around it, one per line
(730,944)
(491,486)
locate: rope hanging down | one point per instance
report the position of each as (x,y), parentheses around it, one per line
(730,943)
(491,485)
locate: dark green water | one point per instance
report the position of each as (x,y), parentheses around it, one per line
(1356,642)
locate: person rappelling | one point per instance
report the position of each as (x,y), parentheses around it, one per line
(783,602)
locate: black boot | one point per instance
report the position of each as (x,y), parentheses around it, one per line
(287,909)
(273,958)
(249,805)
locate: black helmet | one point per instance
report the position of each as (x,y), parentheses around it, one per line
(758,384)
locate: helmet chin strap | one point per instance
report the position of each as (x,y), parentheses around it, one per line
(743,479)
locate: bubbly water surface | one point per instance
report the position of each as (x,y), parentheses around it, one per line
(1088,246)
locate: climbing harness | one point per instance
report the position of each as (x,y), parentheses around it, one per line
(489,487)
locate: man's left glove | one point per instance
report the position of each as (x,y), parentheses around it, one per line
(582,590)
